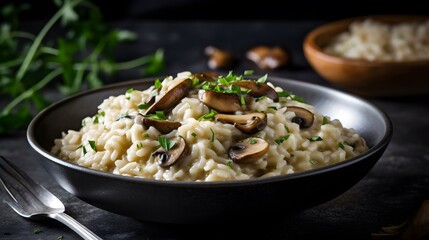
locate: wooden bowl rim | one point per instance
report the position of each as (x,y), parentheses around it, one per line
(311,48)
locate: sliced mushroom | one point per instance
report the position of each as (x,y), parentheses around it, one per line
(258,89)
(168,158)
(248,123)
(303,117)
(248,150)
(206,76)
(163,126)
(223,102)
(219,58)
(268,58)
(172,96)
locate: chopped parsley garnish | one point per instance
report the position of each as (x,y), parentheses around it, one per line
(93,145)
(130,90)
(166,143)
(291,95)
(84,150)
(242,101)
(193,134)
(159,115)
(229,164)
(37,231)
(102,113)
(143,106)
(209,115)
(341,145)
(313,162)
(298,99)
(139,145)
(251,141)
(195,81)
(248,72)
(60,238)
(283,94)
(315,139)
(146,134)
(212,136)
(83,123)
(139,168)
(158,84)
(260,98)
(281,139)
(123,115)
(273,107)
(325,120)
(95,120)
(262,79)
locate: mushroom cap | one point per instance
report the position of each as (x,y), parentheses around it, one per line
(172,96)
(222,102)
(168,158)
(258,89)
(163,126)
(250,123)
(207,76)
(248,150)
(303,117)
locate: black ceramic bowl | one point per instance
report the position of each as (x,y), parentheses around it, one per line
(199,202)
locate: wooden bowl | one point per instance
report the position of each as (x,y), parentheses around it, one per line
(363,77)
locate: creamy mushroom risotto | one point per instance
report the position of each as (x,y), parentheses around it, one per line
(205,127)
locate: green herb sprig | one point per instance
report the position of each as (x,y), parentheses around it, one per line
(76,59)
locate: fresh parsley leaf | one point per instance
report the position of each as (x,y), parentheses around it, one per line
(123,115)
(193,134)
(84,150)
(93,145)
(229,164)
(139,145)
(209,115)
(159,115)
(260,98)
(146,135)
(102,113)
(248,72)
(158,84)
(325,120)
(242,101)
(143,106)
(284,94)
(251,141)
(166,143)
(95,120)
(315,138)
(273,107)
(281,139)
(298,99)
(130,90)
(341,145)
(262,79)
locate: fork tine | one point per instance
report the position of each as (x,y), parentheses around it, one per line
(27,185)
(17,196)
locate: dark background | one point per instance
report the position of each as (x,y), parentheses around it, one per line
(235,10)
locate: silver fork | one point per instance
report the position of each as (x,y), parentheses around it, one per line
(29,199)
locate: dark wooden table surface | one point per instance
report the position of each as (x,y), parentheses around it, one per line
(389,194)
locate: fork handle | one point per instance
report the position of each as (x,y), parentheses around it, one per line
(76,226)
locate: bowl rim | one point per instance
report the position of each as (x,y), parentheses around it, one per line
(311,46)
(31,138)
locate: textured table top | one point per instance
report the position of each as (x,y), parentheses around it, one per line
(389,194)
